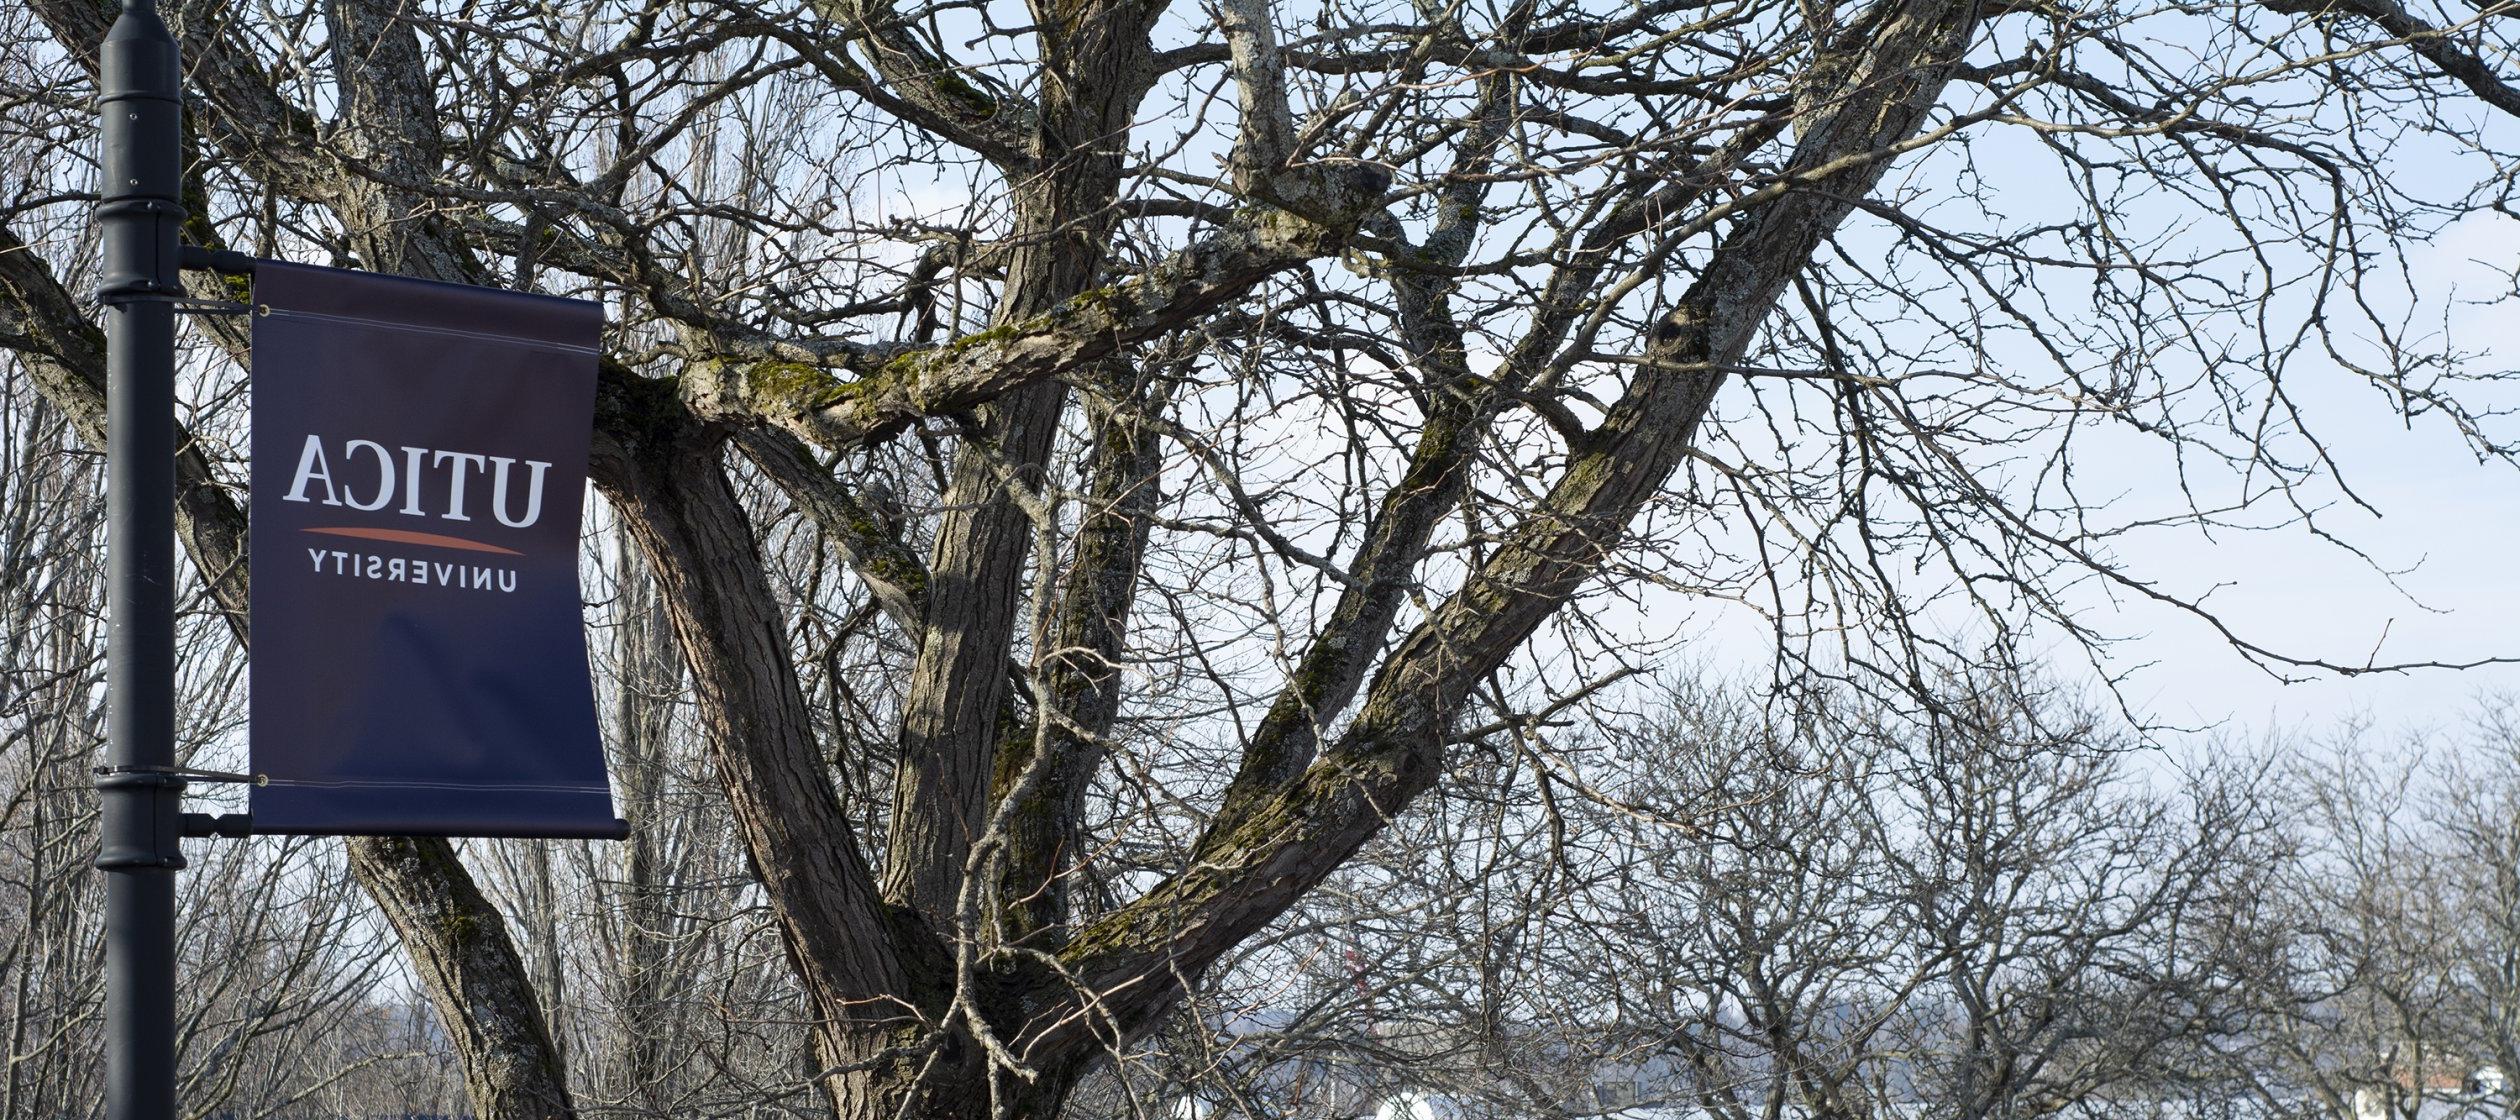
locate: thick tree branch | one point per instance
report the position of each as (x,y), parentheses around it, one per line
(65,352)
(879,399)
(913,82)
(2436,45)
(859,959)
(893,574)
(1874,90)
(1048,773)
(392,126)
(1460,408)
(1095,57)
(1265,139)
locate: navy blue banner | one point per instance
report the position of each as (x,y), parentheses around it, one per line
(419,467)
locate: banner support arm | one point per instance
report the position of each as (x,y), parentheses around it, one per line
(226,262)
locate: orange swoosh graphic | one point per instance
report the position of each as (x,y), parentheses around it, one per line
(406,536)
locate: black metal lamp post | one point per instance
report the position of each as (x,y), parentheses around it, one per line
(139,789)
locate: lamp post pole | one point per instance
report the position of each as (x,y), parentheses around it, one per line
(138,215)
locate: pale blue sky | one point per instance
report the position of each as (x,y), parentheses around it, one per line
(2453,523)
(2449,524)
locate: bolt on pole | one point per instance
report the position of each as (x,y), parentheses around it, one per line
(140,794)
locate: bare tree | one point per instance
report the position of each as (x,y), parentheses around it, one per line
(2387,960)
(1977,910)
(1103,461)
